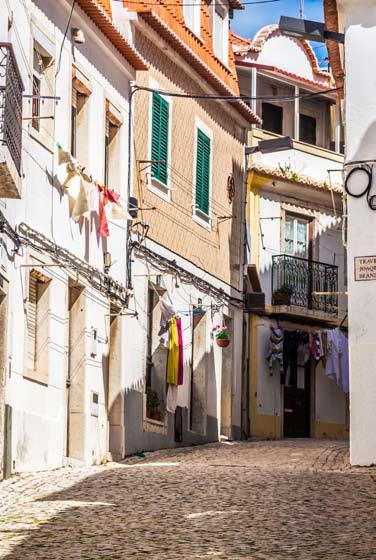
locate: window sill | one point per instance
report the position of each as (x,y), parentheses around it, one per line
(159,189)
(42,139)
(37,377)
(202,219)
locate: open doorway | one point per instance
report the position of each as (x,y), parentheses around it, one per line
(297,404)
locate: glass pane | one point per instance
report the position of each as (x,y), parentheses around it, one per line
(302,238)
(289,236)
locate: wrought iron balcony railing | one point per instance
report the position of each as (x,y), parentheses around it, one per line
(305,283)
(11,89)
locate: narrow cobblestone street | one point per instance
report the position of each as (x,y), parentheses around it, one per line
(257,500)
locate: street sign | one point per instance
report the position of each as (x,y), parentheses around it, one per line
(365,268)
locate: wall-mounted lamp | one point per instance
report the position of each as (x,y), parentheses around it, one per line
(269,146)
(308,30)
(78,36)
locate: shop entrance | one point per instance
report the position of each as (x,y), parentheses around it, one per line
(297,404)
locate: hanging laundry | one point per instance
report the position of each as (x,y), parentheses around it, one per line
(337,366)
(276,349)
(106,195)
(317,351)
(181,358)
(84,201)
(173,354)
(172,398)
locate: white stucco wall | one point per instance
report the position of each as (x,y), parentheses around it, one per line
(359,20)
(39,421)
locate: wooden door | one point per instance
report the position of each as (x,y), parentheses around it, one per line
(296,414)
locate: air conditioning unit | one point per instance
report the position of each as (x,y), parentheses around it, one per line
(255,302)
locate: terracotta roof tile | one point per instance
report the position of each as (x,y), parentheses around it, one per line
(331,21)
(199,63)
(244,46)
(300,180)
(96,10)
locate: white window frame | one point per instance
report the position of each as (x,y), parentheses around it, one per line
(192,15)
(153,185)
(197,215)
(296,219)
(220,6)
(44,43)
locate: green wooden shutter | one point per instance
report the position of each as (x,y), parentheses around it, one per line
(202,172)
(159,138)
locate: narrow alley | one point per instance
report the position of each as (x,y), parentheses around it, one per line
(295,499)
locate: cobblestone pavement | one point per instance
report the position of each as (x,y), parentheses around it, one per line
(257,500)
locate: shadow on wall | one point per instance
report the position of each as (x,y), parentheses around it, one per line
(200,424)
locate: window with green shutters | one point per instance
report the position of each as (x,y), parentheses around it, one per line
(159,138)
(203,172)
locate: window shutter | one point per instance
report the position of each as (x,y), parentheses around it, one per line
(159,137)
(31,322)
(202,172)
(42,328)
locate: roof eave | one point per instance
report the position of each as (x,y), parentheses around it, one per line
(103,21)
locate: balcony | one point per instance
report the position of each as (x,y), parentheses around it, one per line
(304,287)
(11,89)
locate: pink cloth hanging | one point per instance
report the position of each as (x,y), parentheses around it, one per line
(181,360)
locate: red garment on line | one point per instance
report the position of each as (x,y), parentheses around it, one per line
(106,195)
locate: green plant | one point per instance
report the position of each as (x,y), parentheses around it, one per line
(152,399)
(285,289)
(294,176)
(221,333)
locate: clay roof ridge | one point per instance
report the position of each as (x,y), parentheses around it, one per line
(298,178)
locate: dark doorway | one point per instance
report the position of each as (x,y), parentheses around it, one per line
(297,400)
(272,118)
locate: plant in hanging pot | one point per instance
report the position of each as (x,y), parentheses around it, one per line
(282,295)
(153,404)
(221,336)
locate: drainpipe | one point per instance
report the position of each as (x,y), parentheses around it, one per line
(246,322)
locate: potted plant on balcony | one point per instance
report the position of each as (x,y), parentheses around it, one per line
(282,295)
(153,405)
(221,336)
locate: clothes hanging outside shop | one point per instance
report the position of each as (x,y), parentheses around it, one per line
(276,349)
(293,349)
(337,365)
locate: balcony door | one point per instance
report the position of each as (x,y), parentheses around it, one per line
(297,242)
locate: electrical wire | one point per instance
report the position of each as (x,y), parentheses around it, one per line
(183,4)
(65,35)
(233,98)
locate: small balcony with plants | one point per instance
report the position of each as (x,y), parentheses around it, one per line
(302,286)
(11,90)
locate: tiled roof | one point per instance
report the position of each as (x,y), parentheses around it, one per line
(100,12)
(244,46)
(297,179)
(331,22)
(319,85)
(200,64)
(167,19)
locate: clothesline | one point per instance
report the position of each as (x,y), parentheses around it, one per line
(78,184)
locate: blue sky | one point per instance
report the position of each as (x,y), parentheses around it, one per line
(248,21)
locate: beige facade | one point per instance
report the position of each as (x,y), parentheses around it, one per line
(214,246)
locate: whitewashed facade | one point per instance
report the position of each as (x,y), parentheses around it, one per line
(57,357)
